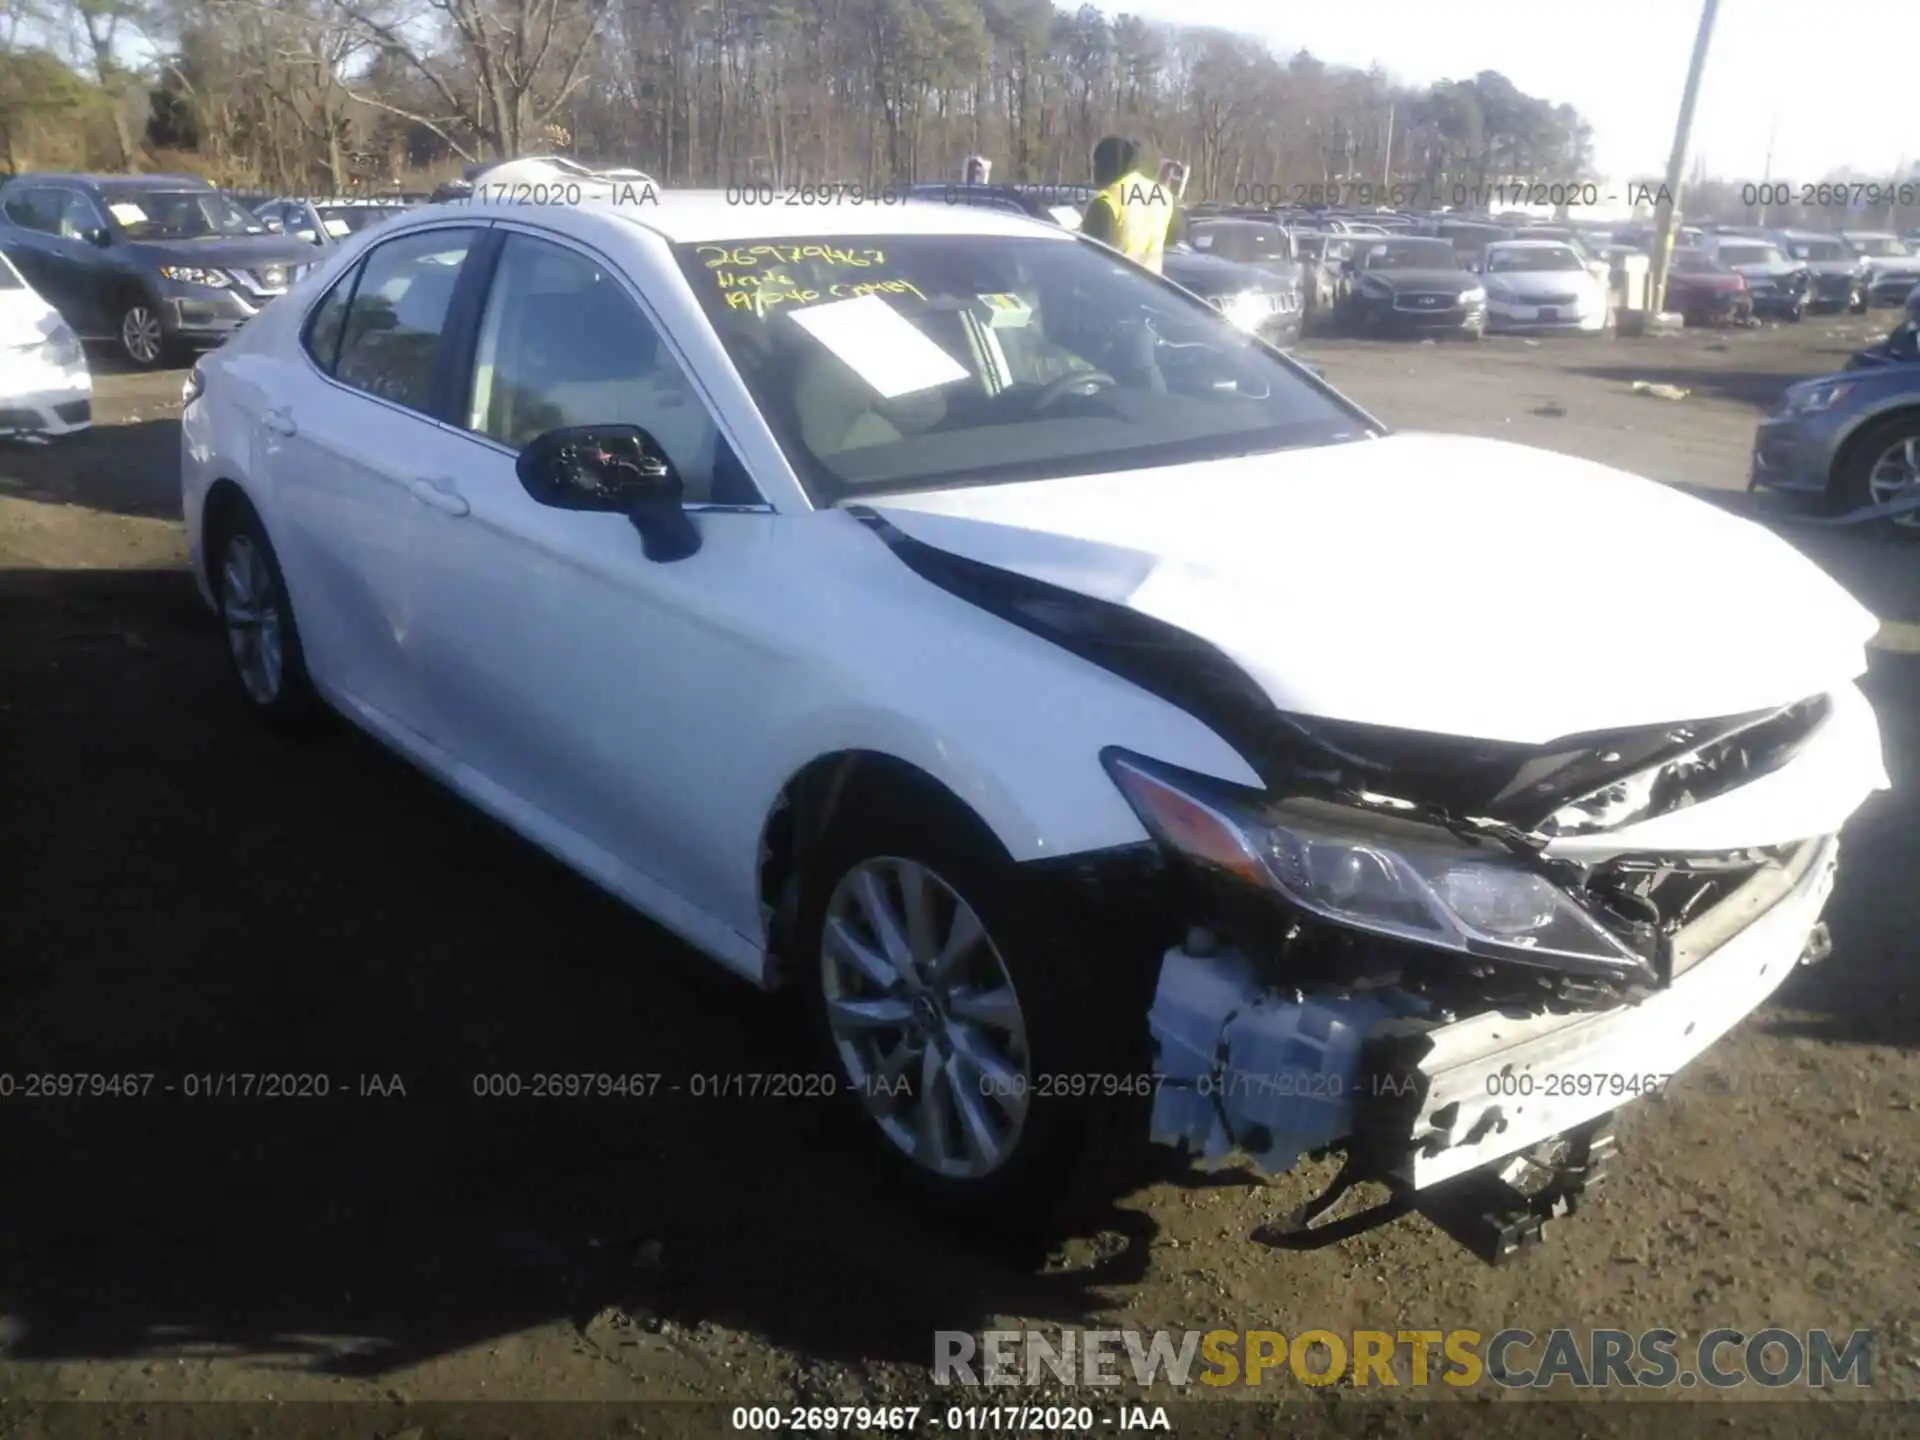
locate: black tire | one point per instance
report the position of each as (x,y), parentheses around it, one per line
(1084,1003)
(290,703)
(1849,488)
(143,338)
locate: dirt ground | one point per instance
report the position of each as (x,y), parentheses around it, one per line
(182,894)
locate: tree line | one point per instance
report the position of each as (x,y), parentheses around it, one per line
(312,95)
(329,95)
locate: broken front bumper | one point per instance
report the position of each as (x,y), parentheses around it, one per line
(1419,1099)
(1493,1085)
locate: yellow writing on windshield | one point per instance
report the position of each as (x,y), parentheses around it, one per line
(764,293)
(759,257)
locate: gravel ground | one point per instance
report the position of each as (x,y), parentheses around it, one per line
(185,895)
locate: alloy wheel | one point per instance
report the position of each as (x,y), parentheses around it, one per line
(924,1017)
(250,606)
(1897,474)
(140,335)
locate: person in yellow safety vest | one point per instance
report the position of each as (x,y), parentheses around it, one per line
(1133,212)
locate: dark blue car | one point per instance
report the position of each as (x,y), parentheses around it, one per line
(154,263)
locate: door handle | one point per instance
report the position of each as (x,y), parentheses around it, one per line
(280,422)
(441,495)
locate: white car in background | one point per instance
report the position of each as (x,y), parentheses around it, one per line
(1542,285)
(46,389)
(928,611)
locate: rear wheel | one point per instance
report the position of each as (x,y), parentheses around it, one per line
(1882,464)
(264,654)
(982,1045)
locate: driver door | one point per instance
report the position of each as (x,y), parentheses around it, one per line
(593,692)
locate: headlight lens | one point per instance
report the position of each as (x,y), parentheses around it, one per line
(1248,310)
(195,275)
(62,348)
(1378,870)
(1819,397)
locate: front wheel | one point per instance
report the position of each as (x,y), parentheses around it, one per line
(982,1044)
(143,340)
(1882,464)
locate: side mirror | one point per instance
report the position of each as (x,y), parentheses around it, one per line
(275,226)
(613,468)
(98,235)
(312,237)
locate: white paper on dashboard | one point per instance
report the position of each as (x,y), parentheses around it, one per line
(335,228)
(880,345)
(128,214)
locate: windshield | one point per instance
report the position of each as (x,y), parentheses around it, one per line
(1751,255)
(1413,255)
(1558,257)
(1251,244)
(179,214)
(1881,247)
(1819,250)
(1695,262)
(927,361)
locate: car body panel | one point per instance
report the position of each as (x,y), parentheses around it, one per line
(40,393)
(1209,567)
(1797,450)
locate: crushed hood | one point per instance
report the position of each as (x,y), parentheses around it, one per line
(1434,583)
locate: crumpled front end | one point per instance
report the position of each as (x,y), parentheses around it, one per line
(1707,855)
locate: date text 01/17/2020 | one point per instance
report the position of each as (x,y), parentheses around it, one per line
(652,1084)
(199,1085)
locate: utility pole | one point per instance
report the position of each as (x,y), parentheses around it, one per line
(1386,165)
(1766,173)
(1664,211)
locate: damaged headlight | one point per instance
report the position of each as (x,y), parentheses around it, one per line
(1377,869)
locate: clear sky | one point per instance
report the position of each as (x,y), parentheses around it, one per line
(1834,81)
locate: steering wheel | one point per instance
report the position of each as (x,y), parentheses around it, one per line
(1076,383)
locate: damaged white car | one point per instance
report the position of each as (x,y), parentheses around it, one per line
(1104,728)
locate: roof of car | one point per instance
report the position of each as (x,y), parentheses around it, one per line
(1530,245)
(110,182)
(698,217)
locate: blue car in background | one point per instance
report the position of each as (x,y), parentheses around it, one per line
(1852,438)
(154,263)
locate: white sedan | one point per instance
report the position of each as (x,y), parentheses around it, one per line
(1074,703)
(46,389)
(1536,285)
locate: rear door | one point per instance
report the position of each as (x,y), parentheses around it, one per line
(32,213)
(351,438)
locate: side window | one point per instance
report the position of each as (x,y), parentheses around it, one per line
(562,344)
(329,319)
(390,343)
(78,215)
(28,209)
